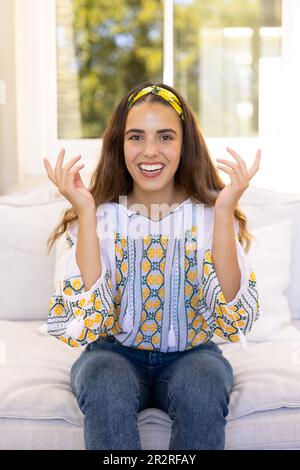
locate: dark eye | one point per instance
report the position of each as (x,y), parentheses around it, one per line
(132,137)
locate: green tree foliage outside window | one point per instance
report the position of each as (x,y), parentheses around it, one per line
(117,45)
(105,47)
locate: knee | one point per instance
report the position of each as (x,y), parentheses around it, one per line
(206,391)
(104,379)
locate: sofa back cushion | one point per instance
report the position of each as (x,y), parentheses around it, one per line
(26,270)
(271,248)
(263,208)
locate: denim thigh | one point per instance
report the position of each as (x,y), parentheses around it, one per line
(194,375)
(105,361)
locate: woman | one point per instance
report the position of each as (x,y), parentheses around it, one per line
(147,302)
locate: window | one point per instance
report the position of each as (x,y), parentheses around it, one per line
(228,50)
(223,60)
(103,49)
(237,62)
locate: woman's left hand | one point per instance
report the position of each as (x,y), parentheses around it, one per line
(240,177)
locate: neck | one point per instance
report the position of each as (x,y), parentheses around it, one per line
(148,202)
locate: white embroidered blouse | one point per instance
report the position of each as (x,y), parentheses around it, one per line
(158,289)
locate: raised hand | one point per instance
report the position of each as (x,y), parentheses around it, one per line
(69,183)
(240,177)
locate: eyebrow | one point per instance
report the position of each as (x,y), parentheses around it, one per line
(141,131)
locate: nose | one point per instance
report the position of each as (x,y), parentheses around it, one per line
(151,148)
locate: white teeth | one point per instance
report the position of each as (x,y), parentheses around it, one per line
(151,167)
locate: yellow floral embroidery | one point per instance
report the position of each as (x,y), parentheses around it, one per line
(58,309)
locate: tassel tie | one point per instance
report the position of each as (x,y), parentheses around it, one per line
(127,323)
(243,341)
(75,327)
(171,336)
(174,295)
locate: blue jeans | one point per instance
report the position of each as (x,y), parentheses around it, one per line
(113,383)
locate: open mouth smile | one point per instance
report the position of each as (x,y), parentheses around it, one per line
(151,170)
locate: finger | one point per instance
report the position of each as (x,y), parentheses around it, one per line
(77,174)
(72,174)
(75,169)
(232,174)
(229,172)
(60,158)
(255,167)
(78,179)
(66,168)
(237,157)
(58,166)
(228,162)
(72,162)
(238,170)
(49,171)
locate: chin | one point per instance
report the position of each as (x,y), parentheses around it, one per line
(150,187)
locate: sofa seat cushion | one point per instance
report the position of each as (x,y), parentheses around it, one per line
(35,375)
(278,429)
(266,375)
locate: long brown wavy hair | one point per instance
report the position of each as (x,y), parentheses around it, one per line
(196,173)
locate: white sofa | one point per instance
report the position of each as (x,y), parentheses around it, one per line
(37,407)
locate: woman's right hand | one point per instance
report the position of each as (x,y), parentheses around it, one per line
(69,183)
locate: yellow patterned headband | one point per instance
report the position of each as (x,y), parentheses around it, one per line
(164,93)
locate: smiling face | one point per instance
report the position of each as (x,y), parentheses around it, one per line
(152,147)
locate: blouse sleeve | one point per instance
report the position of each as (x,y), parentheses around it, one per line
(76,316)
(230,320)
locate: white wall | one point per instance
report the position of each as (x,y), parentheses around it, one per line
(9,169)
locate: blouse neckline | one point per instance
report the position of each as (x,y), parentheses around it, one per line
(131,212)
